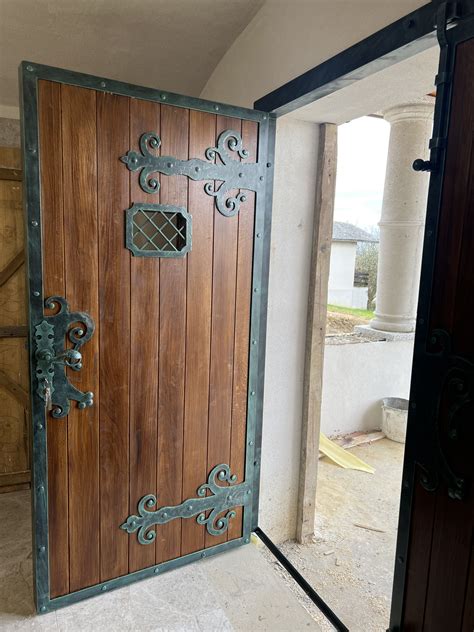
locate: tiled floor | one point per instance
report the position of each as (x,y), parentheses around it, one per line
(238,590)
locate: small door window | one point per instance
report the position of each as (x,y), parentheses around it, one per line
(157,230)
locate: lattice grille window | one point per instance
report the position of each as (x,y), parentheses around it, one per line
(158,230)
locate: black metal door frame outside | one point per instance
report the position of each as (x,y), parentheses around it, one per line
(449,24)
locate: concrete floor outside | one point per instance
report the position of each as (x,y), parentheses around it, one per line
(244,590)
(352,566)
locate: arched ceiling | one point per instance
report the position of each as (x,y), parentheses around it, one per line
(169,44)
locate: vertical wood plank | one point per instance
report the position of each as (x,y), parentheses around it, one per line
(172,332)
(456,192)
(316,329)
(114,294)
(421,538)
(144,324)
(49,107)
(222,333)
(198,331)
(243,293)
(80,236)
(452,544)
(468,615)
(440,545)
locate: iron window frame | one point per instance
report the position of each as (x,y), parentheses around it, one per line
(130,225)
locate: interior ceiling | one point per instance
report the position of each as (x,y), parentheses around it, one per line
(397,84)
(174,45)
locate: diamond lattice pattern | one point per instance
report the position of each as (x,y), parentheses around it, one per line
(159,231)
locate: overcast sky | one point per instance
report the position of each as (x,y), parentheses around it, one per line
(361,162)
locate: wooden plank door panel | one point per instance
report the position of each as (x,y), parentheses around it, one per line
(172,333)
(169,361)
(114,323)
(434,592)
(202,134)
(222,333)
(144,351)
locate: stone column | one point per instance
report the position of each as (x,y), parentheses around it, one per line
(403,217)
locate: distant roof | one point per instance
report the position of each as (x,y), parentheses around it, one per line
(342,231)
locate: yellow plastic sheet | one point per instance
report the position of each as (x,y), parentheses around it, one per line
(342,457)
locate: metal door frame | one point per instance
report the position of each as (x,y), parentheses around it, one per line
(29,74)
(448,23)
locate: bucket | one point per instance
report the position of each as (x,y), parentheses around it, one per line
(394,418)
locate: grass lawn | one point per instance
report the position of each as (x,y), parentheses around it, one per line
(360,313)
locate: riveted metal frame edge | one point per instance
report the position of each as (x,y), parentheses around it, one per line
(111,86)
(151,571)
(32,206)
(258,329)
(453,37)
(32,198)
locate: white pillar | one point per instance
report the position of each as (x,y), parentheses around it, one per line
(403,217)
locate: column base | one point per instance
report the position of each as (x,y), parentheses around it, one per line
(383,322)
(382,336)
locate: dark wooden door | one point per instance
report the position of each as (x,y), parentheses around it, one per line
(434,575)
(165,265)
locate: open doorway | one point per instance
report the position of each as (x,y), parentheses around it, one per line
(384,124)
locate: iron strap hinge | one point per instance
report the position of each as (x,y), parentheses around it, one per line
(213,501)
(226,175)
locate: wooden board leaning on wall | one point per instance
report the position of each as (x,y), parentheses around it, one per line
(14,442)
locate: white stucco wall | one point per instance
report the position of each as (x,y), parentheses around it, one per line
(295,165)
(356,378)
(287,37)
(283,40)
(341,273)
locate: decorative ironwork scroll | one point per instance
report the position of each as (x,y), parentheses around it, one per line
(220,166)
(158,230)
(52,357)
(222,498)
(452,377)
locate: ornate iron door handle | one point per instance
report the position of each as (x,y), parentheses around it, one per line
(52,358)
(446,416)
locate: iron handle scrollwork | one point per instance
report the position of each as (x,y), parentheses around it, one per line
(52,358)
(451,378)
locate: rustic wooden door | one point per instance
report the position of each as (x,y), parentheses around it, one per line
(434,570)
(148,224)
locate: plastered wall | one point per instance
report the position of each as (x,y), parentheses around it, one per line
(357,376)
